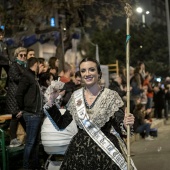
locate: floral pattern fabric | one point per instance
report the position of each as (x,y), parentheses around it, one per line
(83,153)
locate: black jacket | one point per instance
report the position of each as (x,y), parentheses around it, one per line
(28,96)
(15,72)
(159,99)
(69,88)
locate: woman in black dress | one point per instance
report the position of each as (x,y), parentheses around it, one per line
(104,109)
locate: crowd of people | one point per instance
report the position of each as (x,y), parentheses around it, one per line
(28,84)
(149,98)
(99,112)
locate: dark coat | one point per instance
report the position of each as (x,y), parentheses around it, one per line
(29,95)
(69,88)
(159,99)
(15,72)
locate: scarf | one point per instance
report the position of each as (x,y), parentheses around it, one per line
(22,63)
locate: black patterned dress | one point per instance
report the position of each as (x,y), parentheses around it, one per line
(83,153)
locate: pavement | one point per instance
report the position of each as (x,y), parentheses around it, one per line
(153,155)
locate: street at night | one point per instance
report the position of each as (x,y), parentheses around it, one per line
(153,155)
(77,77)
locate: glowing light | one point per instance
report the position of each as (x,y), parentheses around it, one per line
(139,10)
(147,12)
(52,22)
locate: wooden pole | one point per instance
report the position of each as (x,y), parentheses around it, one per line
(128,10)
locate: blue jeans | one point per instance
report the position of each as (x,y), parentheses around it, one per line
(33,126)
(144,128)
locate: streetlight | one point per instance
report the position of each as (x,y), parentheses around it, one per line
(140,11)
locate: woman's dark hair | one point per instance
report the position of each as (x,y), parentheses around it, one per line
(51,62)
(44,77)
(94,61)
(77,74)
(137,69)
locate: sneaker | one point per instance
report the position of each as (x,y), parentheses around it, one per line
(149,138)
(15,143)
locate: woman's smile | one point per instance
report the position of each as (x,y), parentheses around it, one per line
(89,73)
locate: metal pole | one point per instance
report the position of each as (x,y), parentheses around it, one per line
(143,20)
(62,46)
(168,28)
(128,10)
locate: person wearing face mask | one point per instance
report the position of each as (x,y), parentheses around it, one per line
(101,121)
(15,72)
(30,100)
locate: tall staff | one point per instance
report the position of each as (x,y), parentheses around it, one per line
(128,10)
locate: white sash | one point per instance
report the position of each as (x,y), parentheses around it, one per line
(96,134)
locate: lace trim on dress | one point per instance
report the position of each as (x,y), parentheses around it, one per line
(104,107)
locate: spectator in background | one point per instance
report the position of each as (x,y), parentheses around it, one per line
(116,85)
(45,81)
(4,57)
(141,124)
(41,67)
(30,53)
(53,67)
(41,60)
(142,71)
(159,100)
(136,84)
(131,72)
(147,83)
(68,73)
(167,100)
(69,86)
(30,101)
(77,79)
(167,96)
(15,72)
(144,98)
(122,75)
